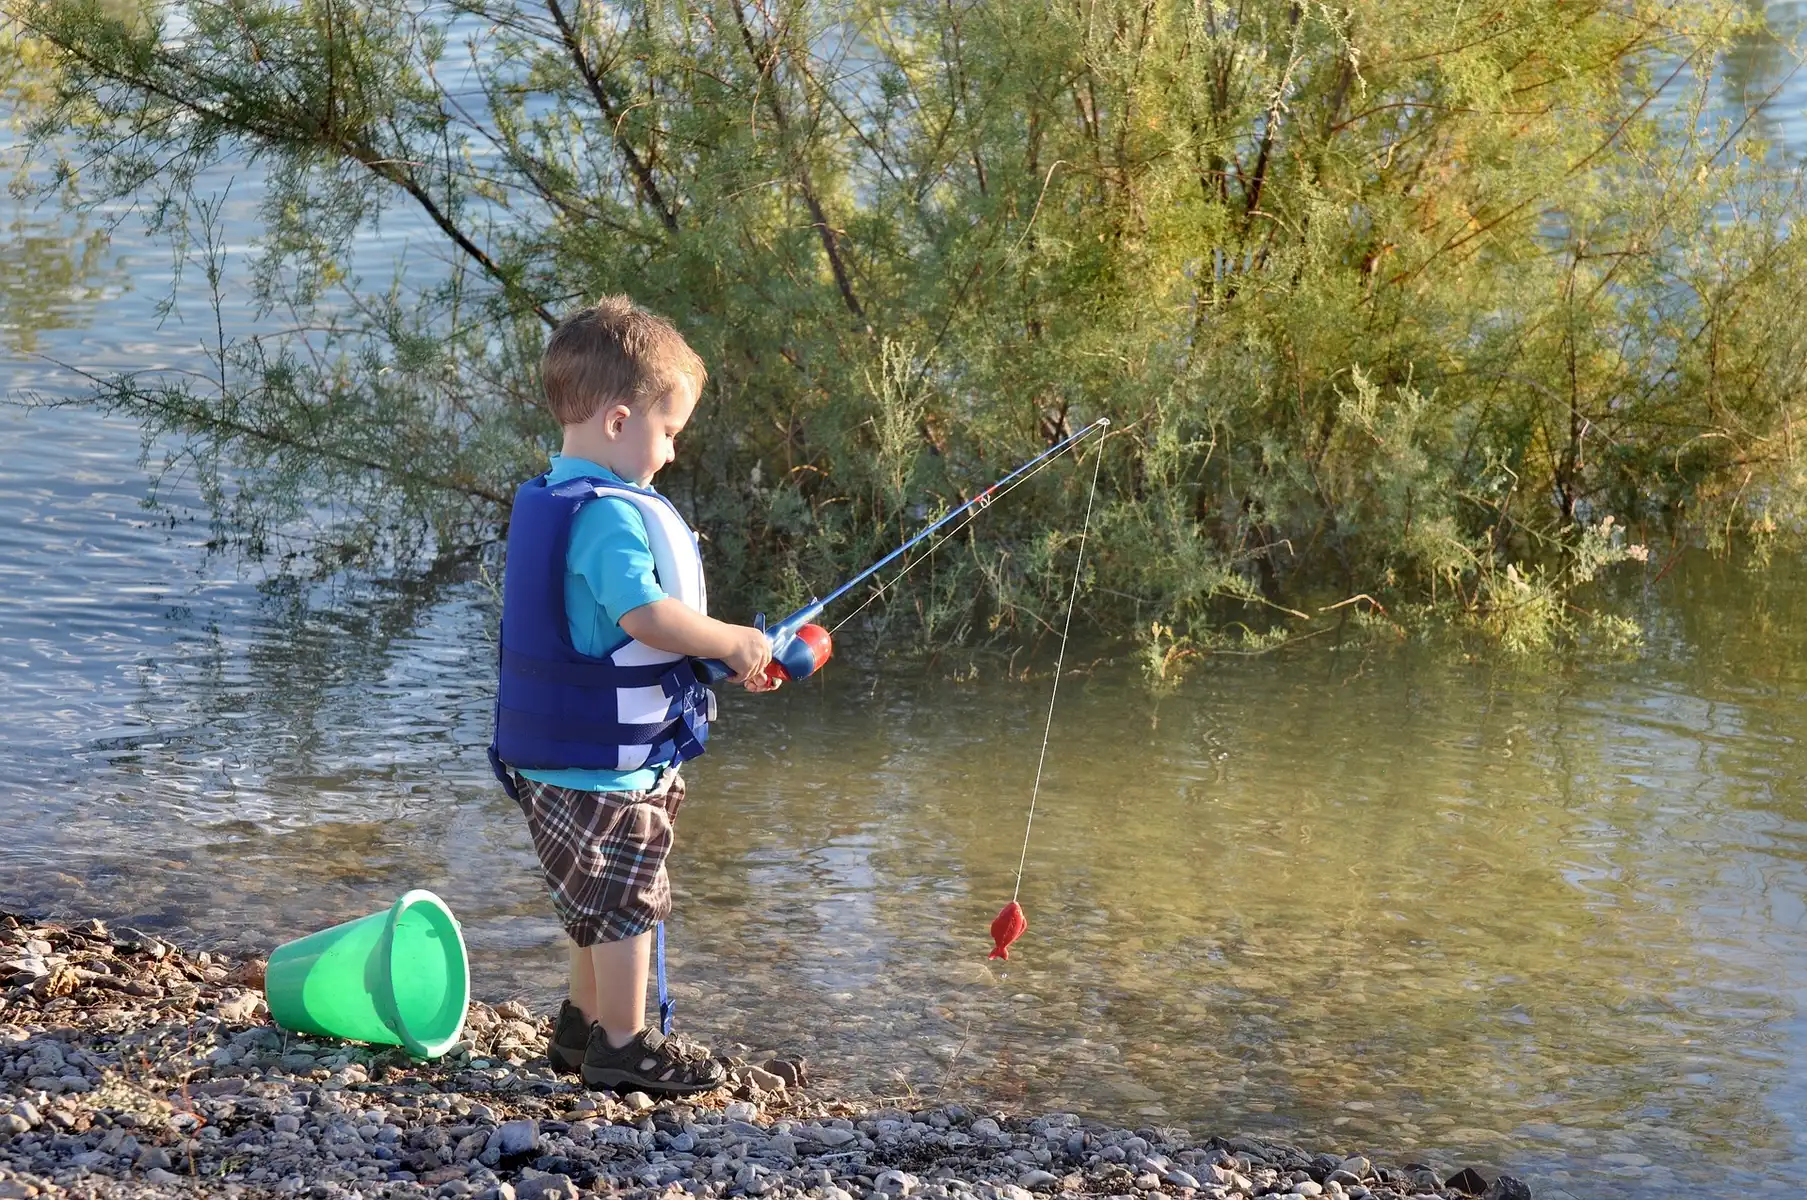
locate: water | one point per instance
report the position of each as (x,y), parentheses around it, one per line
(1544,920)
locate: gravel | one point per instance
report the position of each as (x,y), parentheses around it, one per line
(129,1067)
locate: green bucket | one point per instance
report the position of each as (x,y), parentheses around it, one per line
(395,978)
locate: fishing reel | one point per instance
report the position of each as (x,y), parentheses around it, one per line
(799,649)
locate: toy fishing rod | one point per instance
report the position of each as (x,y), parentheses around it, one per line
(800,647)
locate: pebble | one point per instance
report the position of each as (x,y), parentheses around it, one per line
(248,1110)
(546,1187)
(515,1137)
(894,1183)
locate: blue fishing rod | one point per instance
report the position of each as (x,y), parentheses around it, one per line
(800,647)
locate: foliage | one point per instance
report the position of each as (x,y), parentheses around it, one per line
(1396,300)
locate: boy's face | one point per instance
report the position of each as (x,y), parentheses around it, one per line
(643,437)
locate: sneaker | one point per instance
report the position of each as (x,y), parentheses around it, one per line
(570,1037)
(651,1063)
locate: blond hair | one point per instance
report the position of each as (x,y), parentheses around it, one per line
(613,352)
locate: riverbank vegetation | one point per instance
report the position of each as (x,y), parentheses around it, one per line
(1412,311)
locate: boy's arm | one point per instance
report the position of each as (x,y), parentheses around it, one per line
(676,628)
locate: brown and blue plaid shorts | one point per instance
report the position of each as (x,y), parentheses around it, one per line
(603,854)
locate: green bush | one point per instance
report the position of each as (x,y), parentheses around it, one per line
(1398,302)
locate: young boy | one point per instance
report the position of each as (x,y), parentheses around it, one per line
(603,607)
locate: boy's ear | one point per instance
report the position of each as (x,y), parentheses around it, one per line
(614,418)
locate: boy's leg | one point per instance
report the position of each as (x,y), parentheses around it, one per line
(603,854)
(618,984)
(582,989)
(571,1030)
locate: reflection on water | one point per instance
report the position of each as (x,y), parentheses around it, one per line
(1547,920)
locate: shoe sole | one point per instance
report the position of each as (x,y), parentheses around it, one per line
(610,1077)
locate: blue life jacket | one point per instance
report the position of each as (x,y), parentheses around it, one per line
(559,709)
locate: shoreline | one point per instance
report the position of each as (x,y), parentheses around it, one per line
(129,1067)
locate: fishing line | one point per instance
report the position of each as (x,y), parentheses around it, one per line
(1059,660)
(968,520)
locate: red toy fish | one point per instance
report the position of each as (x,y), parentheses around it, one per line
(1006,928)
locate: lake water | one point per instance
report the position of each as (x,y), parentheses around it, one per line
(1548,920)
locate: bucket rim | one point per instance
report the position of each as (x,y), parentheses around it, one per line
(410,1040)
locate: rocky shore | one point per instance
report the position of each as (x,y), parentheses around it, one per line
(131,1068)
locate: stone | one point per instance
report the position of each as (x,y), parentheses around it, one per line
(741,1110)
(287,1123)
(153,1157)
(1182,1179)
(793,1071)
(1306,1187)
(12,1124)
(241,1009)
(1508,1187)
(1147,1181)
(1357,1166)
(985,1127)
(764,1080)
(1425,1180)
(1037,1180)
(510,1139)
(162,1177)
(617,1135)
(17,1189)
(546,1187)
(637,1101)
(1469,1182)
(832,1137)
(894,1183)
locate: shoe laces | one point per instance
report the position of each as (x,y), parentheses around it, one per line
(678,1046)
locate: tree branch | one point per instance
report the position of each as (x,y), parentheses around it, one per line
(765,61)
(643,174)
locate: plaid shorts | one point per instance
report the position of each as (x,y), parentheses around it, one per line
(603,854)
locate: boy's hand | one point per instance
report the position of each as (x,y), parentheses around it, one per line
(676,628)
(752,651)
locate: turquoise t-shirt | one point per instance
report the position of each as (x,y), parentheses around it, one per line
(608,573)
